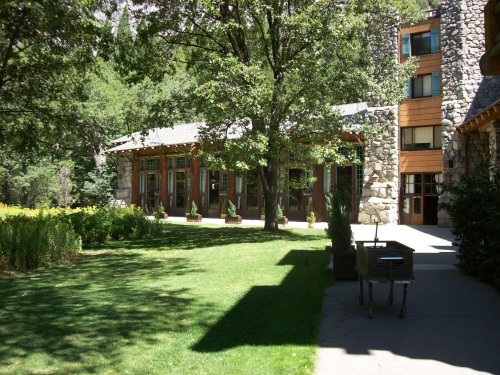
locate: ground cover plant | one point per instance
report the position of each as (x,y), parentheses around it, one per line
(200,300)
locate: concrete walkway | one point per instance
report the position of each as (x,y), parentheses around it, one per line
(452,323)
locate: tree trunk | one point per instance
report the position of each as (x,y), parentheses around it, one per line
(269,175)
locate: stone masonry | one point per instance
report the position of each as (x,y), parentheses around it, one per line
(123,192)
(379,201)
(465,90)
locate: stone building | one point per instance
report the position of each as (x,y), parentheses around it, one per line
(444,127)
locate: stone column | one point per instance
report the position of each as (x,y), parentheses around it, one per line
(466,91)
(494,146)
(380,199)
(123,192)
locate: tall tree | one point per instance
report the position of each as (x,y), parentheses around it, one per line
(269,72)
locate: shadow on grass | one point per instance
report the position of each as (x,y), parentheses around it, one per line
(187,237)
(105,304)
(286,314)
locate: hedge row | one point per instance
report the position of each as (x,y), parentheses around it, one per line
(31,240)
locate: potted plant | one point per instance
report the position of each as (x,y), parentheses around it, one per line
(340,233)
(311,216)
(232,217)
(193,215)
(223,210)
(160,212)
(282,219)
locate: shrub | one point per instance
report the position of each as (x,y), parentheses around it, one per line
(311,216)
(92,224)
(339,228)
(160,210)
(193,208)
(279,211)
(231,209)
(31,242)
(475,214)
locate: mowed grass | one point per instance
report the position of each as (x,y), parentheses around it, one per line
(200,300)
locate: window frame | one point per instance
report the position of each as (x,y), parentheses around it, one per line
(412,44)
(404,147)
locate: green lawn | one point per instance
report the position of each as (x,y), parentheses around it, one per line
(202,300)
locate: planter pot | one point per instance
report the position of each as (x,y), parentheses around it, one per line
(262,217)
(233,220)
(193,218)
(283,220)
(223,216)
(344,266)
(165,216)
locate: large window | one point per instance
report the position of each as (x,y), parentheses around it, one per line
(421,138)
(418,44)
(426,183)
(425,85)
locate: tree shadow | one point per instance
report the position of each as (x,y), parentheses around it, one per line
(188,237)
(285,314)
(451,319)
(98,305)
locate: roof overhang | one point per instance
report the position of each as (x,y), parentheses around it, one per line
(481,121)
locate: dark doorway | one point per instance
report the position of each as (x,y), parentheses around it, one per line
(430,210)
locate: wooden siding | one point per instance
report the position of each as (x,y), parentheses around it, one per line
(421,161)
(419,112)
(425,25)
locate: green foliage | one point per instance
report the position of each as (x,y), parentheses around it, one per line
(160,210)
(273,74)
(279,211)
(225,204)
(475,213)
(93,225)
(193,208)
(231,209)
(97,225)
(339,228)
(31,242)
(311,216)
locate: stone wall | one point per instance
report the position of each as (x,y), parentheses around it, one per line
(123,192)
(380,199)
(465,90)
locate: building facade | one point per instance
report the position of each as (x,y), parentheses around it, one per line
(436,135)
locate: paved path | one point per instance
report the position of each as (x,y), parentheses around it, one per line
(452,323)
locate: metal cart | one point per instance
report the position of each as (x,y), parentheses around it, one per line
(384,262)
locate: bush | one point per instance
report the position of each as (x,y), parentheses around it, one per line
(193,208)
(475,213)
(339,228)
(231,209)
(130,223)
(279,211)
(100,224)
(92,224)
(31,242)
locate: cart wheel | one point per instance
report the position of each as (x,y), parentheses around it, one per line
(402,312)
(370,313)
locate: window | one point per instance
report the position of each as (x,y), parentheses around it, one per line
(432,183)
(420,43)
(421,86)
(426,183)
(180,162)
(425,85)
(421,138)
(412,183)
